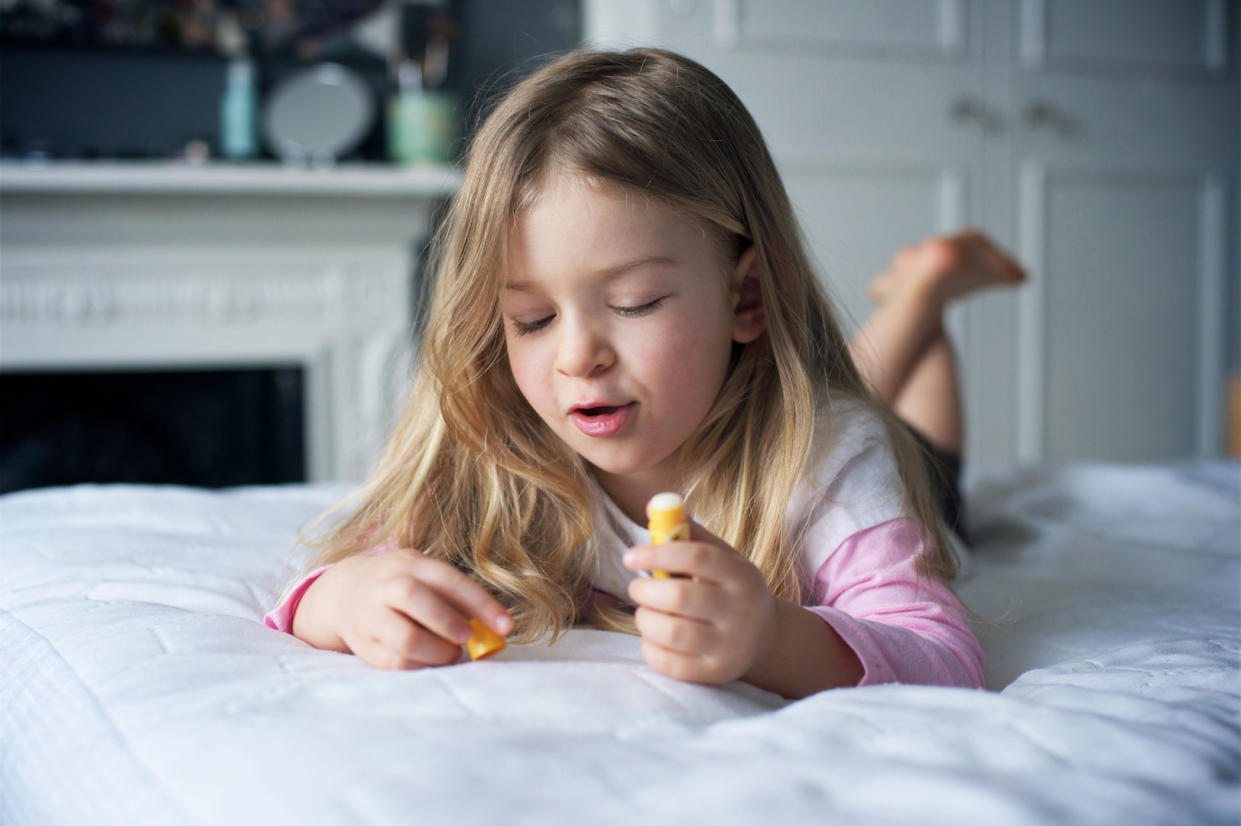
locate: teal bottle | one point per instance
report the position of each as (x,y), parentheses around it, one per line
(239,112)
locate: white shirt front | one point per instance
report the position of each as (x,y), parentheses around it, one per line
(851,484)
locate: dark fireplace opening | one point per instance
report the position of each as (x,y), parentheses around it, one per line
(204,427)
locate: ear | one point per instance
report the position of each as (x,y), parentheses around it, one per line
(749,314)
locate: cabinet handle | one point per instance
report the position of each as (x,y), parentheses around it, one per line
(970,111)
(965,110)
(1042,115)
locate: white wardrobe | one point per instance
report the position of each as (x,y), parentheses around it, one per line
(1097,139)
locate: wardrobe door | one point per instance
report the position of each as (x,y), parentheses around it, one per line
(1124,152)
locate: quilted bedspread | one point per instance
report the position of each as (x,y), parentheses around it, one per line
(138,685)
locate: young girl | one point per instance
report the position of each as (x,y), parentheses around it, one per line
(623,306)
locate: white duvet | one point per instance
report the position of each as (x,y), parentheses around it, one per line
(139,686)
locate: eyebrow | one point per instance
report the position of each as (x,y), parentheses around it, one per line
(607,273)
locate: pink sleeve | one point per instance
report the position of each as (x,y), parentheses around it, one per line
(281,617)
(902,628)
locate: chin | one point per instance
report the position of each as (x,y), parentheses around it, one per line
(623,465)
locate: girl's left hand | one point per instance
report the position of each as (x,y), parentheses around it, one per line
(713,622)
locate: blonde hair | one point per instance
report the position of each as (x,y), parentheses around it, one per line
(474,477)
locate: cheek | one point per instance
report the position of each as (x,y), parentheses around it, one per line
(523,365)
(650,353)
(528,365)
(684,356)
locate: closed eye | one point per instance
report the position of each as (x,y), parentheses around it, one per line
(525,328)
(641,309)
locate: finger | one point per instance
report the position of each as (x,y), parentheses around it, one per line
(410,642)
(675,664)
(675,559)
(377,655)
(468,596)
(680,597)
(426,605)
(698,559)
(679,634)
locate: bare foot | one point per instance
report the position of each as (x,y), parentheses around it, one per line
(949,265)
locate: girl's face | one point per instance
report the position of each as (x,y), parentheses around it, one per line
(619,318)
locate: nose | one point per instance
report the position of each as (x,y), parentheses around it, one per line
(583,349)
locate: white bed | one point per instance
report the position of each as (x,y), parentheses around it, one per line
(140,687)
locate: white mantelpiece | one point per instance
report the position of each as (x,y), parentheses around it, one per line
(108,266)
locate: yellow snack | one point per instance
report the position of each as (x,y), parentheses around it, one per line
(484,642)
(667,522)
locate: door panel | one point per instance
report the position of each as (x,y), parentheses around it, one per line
(893,27)
(1149,36)
(1114,330)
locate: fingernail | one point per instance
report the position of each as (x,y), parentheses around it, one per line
(629,559)
(503,623)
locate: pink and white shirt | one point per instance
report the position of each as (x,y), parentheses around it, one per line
(858,561)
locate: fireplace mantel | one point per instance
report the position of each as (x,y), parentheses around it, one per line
(262,179)
(123,266)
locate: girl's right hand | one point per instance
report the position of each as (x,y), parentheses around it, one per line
(398,609)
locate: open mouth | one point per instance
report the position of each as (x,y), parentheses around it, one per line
(602,420)
(596,411)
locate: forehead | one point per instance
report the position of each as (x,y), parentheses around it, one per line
(568,195)
(571,218)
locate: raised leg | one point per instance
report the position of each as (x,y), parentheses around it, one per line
(902,350)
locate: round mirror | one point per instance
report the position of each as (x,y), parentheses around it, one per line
(318,115)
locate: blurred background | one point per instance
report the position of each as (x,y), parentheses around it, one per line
(150,79)
(214,214)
